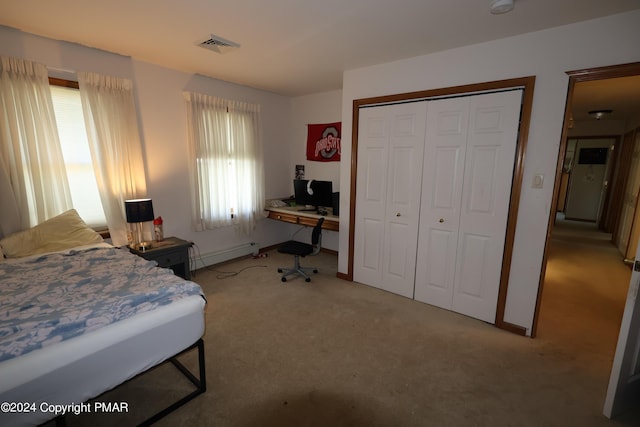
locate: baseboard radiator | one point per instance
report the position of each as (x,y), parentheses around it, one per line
(202,260)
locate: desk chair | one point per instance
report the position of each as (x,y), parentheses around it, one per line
(301,249)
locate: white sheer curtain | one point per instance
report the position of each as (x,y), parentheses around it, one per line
(226,162)
(112,128)
(29,143)
(10,218)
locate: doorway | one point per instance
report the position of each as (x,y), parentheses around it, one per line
(612,211)
(584,280)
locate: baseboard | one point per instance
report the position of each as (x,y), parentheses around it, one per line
(224,255)
(344,276)
(519,330)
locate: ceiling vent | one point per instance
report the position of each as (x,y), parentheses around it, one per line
(218,44)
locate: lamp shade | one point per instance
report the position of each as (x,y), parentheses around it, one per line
(139,210)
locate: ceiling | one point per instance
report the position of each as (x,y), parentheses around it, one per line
(300,47)
(290,47)
(621,95)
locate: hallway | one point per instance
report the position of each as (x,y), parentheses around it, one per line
(585,289)
(583,298)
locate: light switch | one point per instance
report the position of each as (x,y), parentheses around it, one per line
(538,180)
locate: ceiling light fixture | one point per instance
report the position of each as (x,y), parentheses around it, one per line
(598,114)
(501,6)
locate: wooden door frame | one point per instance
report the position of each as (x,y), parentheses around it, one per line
(590,74)
(608,209)
(617,195)
(527,84)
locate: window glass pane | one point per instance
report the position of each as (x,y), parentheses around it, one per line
(77,157)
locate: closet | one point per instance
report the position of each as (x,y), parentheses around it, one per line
(432,198)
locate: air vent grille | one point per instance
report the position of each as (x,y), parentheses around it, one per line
(218,44)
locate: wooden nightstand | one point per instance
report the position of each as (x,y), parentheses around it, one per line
(171,253)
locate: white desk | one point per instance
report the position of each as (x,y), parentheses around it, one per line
(296,215)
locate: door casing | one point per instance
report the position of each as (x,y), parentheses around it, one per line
(527,84)
(601,73)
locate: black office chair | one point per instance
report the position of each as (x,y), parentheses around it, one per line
(301,249)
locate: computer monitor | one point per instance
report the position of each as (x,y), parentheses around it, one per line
(301,194)
(322,193)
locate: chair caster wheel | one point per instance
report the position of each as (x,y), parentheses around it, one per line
(284,279)
(307,280)
(279,270)
(315,271)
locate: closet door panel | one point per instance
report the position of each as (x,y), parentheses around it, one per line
(474,276)
(489,163)
(403,197)
(371,194)
(390,141)
(373,233)
(445,148)
(482,180)
(435,268)
(398,247)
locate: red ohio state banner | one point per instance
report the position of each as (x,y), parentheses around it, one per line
(323,142)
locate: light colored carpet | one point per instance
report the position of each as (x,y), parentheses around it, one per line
(335,353)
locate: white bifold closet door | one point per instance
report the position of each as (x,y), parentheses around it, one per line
(432,198)
(390,151)
(468,172)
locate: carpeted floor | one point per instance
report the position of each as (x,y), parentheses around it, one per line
(335,353)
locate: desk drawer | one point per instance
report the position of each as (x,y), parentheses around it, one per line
(326,225)
(284,217)
(309,222)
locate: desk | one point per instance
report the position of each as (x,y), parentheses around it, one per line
(295,215)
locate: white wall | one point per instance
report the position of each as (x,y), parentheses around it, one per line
(548,55)
(162,120)
(325,107)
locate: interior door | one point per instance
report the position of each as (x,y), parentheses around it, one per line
(390,151)
(465,205)
(588,175)
(488,175)
(624,382)
(444,158)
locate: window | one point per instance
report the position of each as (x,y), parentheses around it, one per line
(75,150)
(226,158)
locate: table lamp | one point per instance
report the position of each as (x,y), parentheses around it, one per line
(139,211)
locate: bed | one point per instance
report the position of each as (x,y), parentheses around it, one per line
(78,321)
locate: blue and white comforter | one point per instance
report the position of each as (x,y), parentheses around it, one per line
(54,297)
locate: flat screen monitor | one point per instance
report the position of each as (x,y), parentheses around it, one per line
(322,193)
(301,194)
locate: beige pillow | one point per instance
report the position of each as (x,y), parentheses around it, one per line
(55,234)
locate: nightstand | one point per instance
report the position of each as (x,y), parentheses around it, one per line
(171,253)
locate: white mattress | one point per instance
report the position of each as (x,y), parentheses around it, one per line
(83,367)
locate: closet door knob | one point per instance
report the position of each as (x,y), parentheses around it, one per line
(441,220)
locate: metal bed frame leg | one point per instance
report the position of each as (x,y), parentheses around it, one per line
(200,383)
